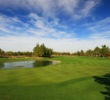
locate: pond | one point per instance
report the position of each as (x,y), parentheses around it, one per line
(25,64)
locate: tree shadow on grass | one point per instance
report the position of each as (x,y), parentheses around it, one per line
(104,80)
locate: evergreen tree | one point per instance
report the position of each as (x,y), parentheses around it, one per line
(42,51)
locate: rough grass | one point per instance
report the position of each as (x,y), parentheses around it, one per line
(72,79)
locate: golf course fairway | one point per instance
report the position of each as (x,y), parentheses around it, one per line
(71,79)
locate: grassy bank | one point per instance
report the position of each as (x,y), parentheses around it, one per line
(2,60)
(71,79)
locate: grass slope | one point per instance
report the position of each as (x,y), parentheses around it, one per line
(72,79)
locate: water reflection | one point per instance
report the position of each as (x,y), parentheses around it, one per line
(25,64)
(41,63)
(1,65)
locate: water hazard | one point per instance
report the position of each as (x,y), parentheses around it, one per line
(25,64)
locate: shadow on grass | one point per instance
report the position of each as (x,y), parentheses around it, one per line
(104,80)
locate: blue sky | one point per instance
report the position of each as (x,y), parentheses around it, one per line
(63,25)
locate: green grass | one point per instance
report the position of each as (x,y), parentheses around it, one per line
(72,79)
(13,59)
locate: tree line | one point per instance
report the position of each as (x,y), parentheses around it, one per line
(38,51)
(4,54)
(43,51)
(102,51)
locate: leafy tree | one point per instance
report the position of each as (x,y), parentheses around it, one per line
(109,52)
(48,52)
(78,53)
(97,51)
(82,53)
(61,53)
(36,50)
(89,52)
(42,51)
(104,50)
(2,53)
(9,53)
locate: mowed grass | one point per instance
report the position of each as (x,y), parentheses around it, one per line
(71,79)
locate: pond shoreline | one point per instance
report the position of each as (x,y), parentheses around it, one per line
(56,61)
(27,64)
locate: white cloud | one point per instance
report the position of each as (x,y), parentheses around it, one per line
(101,25)
(8,25)
(48,29)
(99,29)
(37,26)
(52,8)
(68,5)
(43,31)
(22,36)
(26,43)
(88,6)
